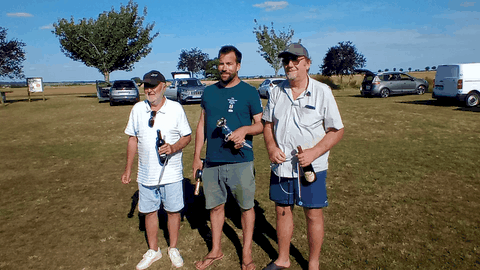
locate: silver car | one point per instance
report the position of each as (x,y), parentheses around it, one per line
(384,84)
(266,87)
(185,90)
(124,91)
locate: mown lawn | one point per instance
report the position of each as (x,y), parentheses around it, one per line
(403,189)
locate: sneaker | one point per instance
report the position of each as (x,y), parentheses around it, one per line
(148,258)
(175,257)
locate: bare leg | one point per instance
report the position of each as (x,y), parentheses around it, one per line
(248,223)
(151,225)
(284,234)
(315,232)
(173,227)
(217,219)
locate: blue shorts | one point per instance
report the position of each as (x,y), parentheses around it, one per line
(285,191)
(151,197)
(238,177)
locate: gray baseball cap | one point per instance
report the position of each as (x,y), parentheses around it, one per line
(295,49)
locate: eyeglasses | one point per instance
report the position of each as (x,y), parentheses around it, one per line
(295,60)
(151,121)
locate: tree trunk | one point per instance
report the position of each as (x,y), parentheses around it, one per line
(106,76)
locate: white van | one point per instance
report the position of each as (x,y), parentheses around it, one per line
(460,81)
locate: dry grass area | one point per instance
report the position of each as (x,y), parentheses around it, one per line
(403,189)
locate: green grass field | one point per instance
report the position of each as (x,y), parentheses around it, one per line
(403,187)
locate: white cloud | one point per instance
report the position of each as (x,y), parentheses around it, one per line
(467,4)
(48,27)
(272,5)
(19,14)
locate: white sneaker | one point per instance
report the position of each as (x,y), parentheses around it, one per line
(175,257)
(148,258)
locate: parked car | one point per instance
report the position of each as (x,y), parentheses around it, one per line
(185,90)
(385,84)
(123,91)
(460,81)
(103,90)
(266,86)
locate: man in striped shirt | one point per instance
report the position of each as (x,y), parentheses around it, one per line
(159,180)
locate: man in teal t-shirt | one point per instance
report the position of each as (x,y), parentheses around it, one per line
(229,159)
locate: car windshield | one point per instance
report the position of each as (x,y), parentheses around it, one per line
(123,84)
(447,71)
(368,78)
(277,81)
(190,83)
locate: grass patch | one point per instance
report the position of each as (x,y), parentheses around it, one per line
(403,189)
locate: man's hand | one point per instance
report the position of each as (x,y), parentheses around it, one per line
(238,137)
(197,165)
(276,155)
(126,177)
(306,158)
(166,149)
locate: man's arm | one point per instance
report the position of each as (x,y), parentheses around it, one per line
(330,139)
(199,142)
(238,136)
(131,150)
(275,154)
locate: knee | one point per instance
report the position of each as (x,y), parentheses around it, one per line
(314,216)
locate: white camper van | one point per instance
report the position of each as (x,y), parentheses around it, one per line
(460,81)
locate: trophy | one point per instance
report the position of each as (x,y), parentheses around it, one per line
(222,123)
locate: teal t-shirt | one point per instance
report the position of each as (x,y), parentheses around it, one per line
(237,105)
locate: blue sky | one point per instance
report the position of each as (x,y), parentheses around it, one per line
(390,34)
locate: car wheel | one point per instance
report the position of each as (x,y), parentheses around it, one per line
(421,90)
(179,98)
(472,100)
(384,92)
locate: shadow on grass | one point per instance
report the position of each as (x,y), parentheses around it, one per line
(429,102)
(11,101)
(88,96)
(440,103)
(197,216)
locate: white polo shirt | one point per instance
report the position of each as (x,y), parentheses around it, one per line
(301,122)
(173,124)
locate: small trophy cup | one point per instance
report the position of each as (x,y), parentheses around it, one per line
(222,123)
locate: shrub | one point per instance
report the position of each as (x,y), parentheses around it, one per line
(353,84)
(326,80)
(430,84)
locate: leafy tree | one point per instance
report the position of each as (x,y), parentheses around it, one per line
(379,70)
(137,80)
(409,69)
(386,69)
(272,43)
(427,68)
(194,60)
(394,69)
(114,41)
(11,56)
(434,68)
(342,59)
(211,70)
(401,69)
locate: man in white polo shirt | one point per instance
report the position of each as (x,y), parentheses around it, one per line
(159,180)
(300,112)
